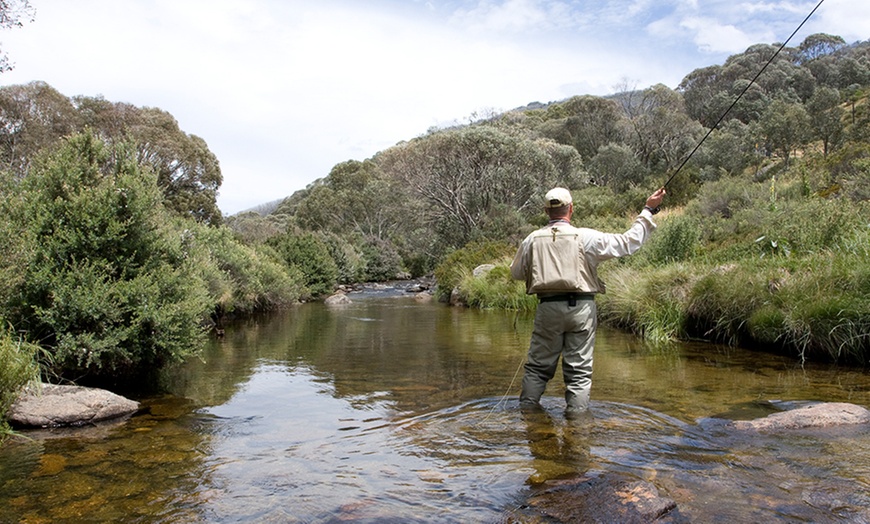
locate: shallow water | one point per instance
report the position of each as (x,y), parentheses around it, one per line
(389,410)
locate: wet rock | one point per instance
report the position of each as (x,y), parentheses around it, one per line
(848,500)
(337,299)
(54,406)
(606,498)
(822,415)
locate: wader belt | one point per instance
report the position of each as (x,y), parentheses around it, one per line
(570,298)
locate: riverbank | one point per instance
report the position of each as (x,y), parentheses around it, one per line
(812,307)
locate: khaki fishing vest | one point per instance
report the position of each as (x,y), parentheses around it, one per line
(557,263)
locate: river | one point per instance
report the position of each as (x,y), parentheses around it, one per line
(394,410)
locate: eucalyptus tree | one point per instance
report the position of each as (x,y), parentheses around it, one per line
(784,127)
(617,167)
(818,45)
(475,179)
(585,122)
(728,150)
(13,13)
(188,172)
(33,116)
(662,133)
(701,90)
(826,118)
(354,198)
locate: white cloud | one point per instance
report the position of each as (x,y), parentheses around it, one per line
(713,37)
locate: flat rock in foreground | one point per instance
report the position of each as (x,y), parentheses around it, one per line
(55,406)
(823,415)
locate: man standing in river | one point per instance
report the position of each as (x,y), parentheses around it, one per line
(559,263)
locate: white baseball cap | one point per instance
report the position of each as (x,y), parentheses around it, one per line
(557,197)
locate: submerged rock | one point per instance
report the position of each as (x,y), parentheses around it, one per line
(825,414)
(54,406)
(605,498)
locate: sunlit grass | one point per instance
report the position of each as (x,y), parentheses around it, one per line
(19,367)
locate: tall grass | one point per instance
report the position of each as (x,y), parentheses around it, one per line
(815,307)
(649,302)
(495,289)
(19,367)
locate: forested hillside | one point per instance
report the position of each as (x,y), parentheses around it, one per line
(805,117)
(117,258)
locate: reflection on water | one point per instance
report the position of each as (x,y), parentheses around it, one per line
(392,411)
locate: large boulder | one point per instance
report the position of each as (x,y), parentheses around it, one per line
(825,414)
(52,405)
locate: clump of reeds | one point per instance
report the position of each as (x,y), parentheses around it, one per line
(19,368)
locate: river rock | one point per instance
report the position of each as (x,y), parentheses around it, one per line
(605,498)
(337,299)
(423,296)
(53,406)
(825,414)
(482,270)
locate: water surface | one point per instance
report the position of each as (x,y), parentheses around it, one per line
(392,410)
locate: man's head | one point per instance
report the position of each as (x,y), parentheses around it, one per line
(558,203)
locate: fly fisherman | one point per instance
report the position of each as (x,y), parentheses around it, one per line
(559,263)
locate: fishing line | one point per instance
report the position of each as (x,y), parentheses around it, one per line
(506,393)
(745,89)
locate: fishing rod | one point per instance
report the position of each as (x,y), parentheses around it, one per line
(745,89)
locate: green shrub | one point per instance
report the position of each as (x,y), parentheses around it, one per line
(726,197)
(455,266)
(109,286)
(381,260)
(677,239)
(310,255)
(347,257)
(815,224)
(243,279)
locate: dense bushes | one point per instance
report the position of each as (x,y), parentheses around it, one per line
(108,285)
(795,279)
(310,255)
(243,279)
(109,281)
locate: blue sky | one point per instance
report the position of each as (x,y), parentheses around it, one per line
(282,90)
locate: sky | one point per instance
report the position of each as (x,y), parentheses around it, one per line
(283,90)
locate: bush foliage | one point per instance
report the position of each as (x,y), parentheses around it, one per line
(109,285)
(108,280)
